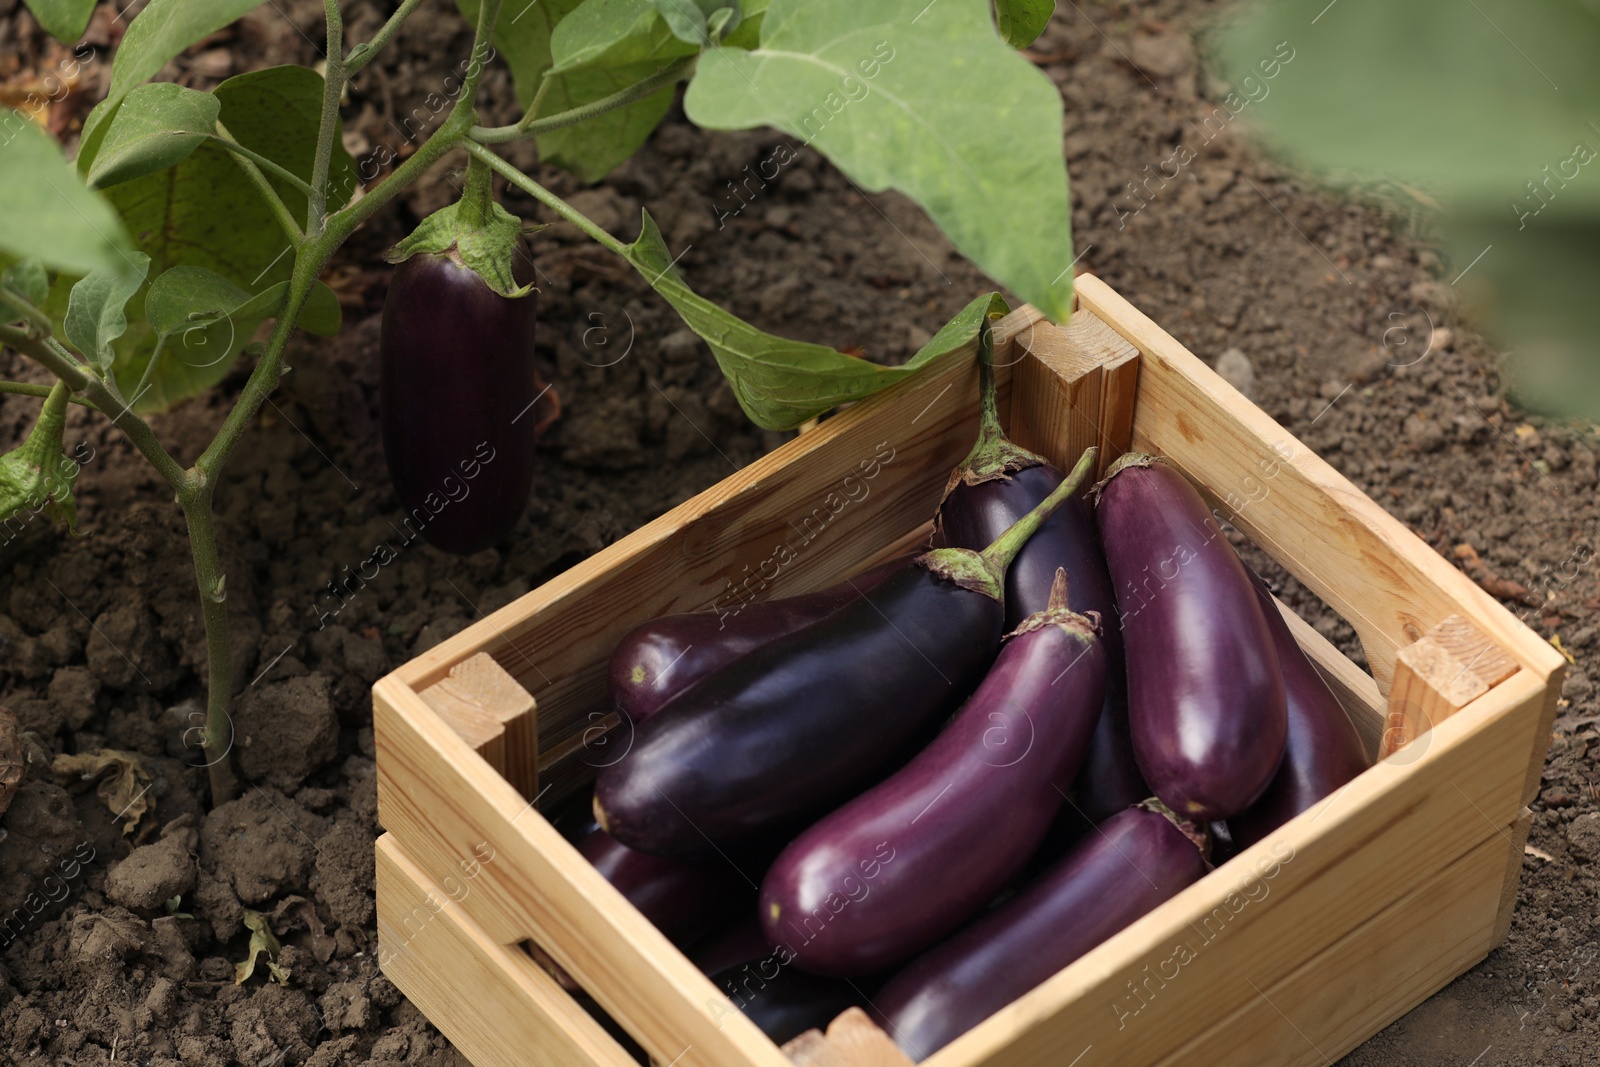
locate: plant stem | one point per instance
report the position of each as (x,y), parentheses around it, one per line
(546,197)
(529,127)
(218,739)
(333,79)
(363,53)
(79,380)
(38,321)
(32,389)
(251,163)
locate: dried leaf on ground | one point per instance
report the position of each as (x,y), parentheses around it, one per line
(124,784)
(261,941)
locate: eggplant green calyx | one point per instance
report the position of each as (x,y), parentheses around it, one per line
(1192,830)
(1056,613)
(994,455)
(475,231)
(985,572)
(1120,464)
(35,475)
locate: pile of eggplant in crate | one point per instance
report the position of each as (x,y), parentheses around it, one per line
(926,790)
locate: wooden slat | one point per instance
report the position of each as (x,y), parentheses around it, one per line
(439,799)
(555,640)
(494,715)
(1363,562)
(493,1003)
(1517,841)
(1372,976)
(1055,396)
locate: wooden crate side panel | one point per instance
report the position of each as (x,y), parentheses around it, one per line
(1376,573)
(795,520)
(442,803)
(494,1004)
(1365,981)
(1516,843)
(1333,867)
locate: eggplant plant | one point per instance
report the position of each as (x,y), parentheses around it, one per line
(139,271)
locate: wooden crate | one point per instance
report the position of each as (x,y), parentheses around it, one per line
(1293,952)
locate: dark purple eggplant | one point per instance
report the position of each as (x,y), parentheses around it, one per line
(801,724)
(782,1000)
(1205,695)
(1323,751)
(683,896)
(457,389)
(997,483)
(663,657)
(984,793)
(734,943)
(1138,859)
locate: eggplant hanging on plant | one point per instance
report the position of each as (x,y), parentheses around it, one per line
(994,486)
(985,792)
(661,658)
(459,397)
(1205,692)
(803,723)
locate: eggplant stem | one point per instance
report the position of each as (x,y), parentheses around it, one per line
(993,455)
(999,555)
(1058,591)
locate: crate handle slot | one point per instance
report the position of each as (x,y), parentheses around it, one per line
(1450,666)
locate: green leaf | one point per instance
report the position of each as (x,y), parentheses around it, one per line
(187,297)
(65,20)
(781,383)
(522,36)
(1022,21)
(96,312)
(870,86)
(28,281)
(202,213)
(700,22)
(158,33)
(158,126)
(594,148)
(46,212)
(35,476)
(614,33)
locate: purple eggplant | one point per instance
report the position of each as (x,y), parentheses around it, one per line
(1139,859)
(1205,694)
(734,943)
(997,483)
(783,1001)
(803,723)
(457,393)
(1323,751)
(683,897)
(958,821)
(663,657)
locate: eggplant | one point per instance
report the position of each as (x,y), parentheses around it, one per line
(1323,750)
(1205,694)
(659,659)
(737,942)
(782,1001)
(995,485)
(959,820)
(801,724)
(1140,858)
(457,390)
(683,897)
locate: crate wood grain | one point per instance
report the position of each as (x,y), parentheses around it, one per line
(1453,799)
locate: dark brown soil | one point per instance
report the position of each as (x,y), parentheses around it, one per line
(132,961)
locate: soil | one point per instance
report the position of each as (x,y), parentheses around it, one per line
(128,932)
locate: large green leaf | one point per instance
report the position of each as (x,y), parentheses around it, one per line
(1500,126)
(201,213)
(65,20)
(96,310)
(1022,21)
(158,126)
(46,213)
(522,37)
(162,30)
(870,85)
(781,383)
(700,22)
(29,282)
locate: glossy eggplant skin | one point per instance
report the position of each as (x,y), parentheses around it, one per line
(664,657)
(958,821)
(1136,861)
(457,386)
(800,724)
(1323,751)
(683,897)
(972,516)
(781,1000)
(1205,695)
